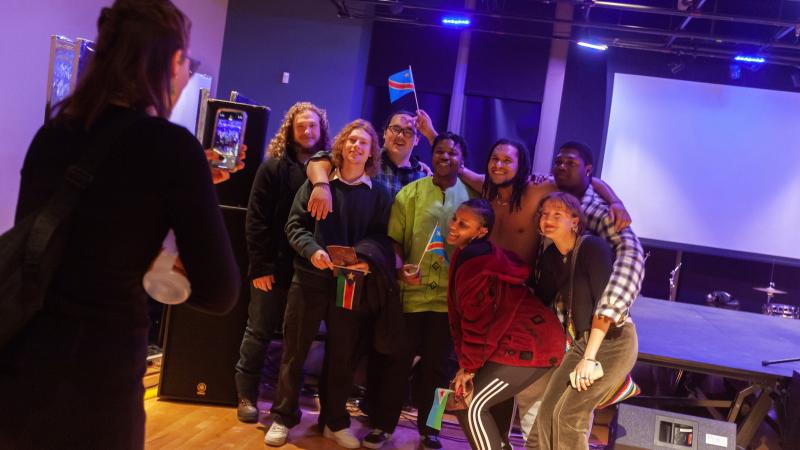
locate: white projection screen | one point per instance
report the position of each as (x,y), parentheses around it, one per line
(706,164)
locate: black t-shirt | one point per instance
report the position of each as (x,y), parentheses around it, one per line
(155,178)
(592,272)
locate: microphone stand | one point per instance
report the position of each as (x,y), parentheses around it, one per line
(673,282)
(770,295)
(769,362)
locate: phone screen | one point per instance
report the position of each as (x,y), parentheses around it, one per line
(228,134)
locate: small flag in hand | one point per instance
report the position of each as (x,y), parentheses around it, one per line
(437,410)
(348,288)
(400,84)
(436,244)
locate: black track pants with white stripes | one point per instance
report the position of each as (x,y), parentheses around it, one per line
(494,384)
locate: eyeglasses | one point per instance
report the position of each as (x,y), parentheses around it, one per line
(194,64)
(407,132)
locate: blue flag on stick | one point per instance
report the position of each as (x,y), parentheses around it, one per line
(400,84)
(436,243)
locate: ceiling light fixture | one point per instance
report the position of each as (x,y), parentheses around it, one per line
(750,59)
(601,47)
(459,22)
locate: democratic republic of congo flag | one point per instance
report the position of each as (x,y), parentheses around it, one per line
(400,84)
(436,243)
(437,410)
(348,287)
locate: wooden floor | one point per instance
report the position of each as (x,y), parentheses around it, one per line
(174,425)
(178,425)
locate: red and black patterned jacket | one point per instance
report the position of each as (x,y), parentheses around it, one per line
(494,316)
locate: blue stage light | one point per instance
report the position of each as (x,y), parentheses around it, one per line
(750,59)
(460,22)
(602,47)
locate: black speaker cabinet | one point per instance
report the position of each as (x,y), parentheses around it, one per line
(635,427)
(201,350)
(791,429)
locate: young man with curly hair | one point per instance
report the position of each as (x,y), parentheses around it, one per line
(362,210)
(303,132)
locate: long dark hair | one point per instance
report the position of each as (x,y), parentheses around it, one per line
(132,65)
(520,181)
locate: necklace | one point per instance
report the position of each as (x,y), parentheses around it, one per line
(497,200)
(564,258)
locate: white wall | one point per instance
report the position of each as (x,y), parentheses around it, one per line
(25,29)
(705,164)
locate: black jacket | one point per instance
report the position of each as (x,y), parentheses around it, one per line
(274,188)
(381,295)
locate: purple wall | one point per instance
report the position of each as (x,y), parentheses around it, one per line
(25,29)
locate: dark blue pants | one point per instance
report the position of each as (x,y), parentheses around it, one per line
(264,318)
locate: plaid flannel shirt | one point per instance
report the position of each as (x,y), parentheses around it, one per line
(391,176)
(396,178)
(628,271)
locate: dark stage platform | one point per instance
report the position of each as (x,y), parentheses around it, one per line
(730,344)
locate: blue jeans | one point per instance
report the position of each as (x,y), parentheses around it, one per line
(264,317)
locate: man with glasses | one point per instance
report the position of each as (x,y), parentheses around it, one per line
(398,166)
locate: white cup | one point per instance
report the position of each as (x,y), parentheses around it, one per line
(162,283)
(411,270)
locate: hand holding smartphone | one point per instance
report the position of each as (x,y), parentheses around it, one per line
(228,137)
(597,373)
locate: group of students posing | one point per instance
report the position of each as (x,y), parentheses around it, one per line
(477,302)
(506,302)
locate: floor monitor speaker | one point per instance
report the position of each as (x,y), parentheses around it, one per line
(635,427)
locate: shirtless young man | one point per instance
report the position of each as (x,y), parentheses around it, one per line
(515,197)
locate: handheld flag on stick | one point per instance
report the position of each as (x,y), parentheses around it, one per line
(348,287)
(437,410)
(435,245)
(400,84)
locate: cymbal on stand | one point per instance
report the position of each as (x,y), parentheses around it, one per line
(770,290)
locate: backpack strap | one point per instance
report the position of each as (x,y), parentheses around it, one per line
(574,262)
(77,178)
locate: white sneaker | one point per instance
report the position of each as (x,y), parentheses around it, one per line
(343,437)
(277,434)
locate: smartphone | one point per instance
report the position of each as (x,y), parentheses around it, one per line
(228,135)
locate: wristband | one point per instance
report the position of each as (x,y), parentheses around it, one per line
(321,183)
